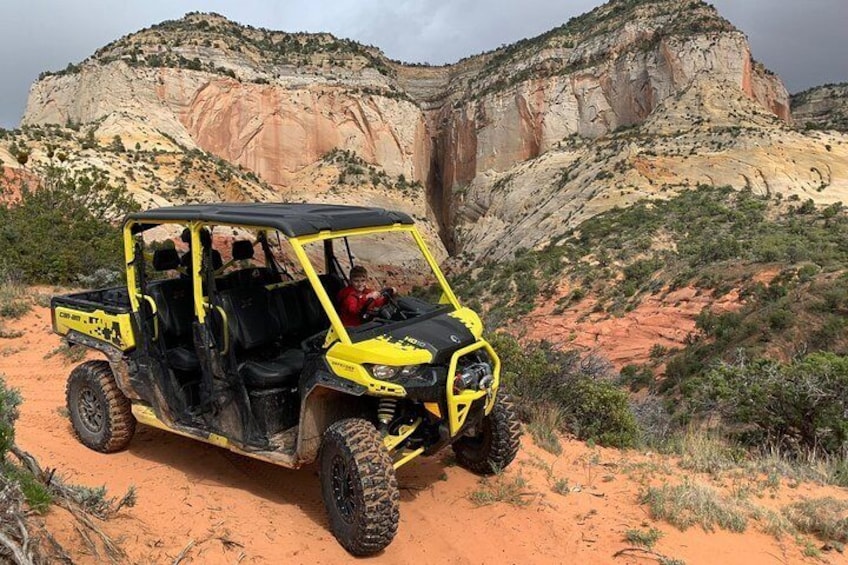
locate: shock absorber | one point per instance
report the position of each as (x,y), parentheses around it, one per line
(385,413)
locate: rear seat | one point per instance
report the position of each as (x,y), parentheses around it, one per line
(175,309)
(259,319)
(249,276)
(253,326)
(298,309)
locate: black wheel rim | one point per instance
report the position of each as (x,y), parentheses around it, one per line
(343,491)
(90,410)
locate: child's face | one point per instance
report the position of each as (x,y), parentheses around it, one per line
(359,282)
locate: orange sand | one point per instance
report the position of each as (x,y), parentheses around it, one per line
(239,510)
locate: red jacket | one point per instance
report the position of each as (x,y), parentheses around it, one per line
(352,305)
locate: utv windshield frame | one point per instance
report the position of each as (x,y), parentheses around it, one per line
(344,333)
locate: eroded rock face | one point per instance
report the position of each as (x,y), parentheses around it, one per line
(823,107)
(273,130)
(498,130)
(732,141)
(275,103)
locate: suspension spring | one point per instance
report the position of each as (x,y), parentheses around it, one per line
(386,412)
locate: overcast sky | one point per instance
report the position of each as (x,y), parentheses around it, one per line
(804,41)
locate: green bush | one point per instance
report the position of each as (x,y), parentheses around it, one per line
(636,377)
(590,405)
(796,405)
(599,411)
(65,227)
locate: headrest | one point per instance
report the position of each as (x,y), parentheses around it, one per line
(166,259)
(242,250)
(205,237)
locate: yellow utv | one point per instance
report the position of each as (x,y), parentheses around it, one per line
(228,331)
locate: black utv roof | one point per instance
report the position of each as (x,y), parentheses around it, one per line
(291,219)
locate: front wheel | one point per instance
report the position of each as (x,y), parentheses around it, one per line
(359,486)
(496,443)
(100,413)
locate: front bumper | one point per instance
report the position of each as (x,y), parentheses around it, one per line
(460,402)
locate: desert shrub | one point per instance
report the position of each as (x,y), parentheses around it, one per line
(543,427)
(26,488)
(800,404)
(500,488)
(707,452)
(13,478)
(579,389)
(599,411)
(646,538)
(100,278)
(636,377)
(9,402)
(653,420)
(64,227)
(13,298)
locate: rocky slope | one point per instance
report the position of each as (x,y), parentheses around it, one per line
(508,147)
(703,135)
(824,107)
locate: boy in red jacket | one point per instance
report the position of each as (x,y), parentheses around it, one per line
(357,300)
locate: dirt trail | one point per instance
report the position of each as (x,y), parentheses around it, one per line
(238,510)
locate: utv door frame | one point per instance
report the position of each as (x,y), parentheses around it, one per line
(159,374)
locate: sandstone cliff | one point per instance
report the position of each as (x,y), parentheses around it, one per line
(573,114)
(824,107)
(700,136)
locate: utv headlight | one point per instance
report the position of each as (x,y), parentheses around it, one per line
(384,372)
(387,372)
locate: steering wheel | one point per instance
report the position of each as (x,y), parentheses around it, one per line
(390,308)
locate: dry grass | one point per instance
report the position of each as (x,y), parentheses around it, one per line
(6,333)
(14,301)
(811,466)
(825,518)
(561,486)
(689,504)
(545,421)
(703,452)
(645,538)
(501,488)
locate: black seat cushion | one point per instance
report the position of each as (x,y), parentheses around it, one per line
(242,250)
(314,318)
(175,304)
(252,323)
(275,373)
(183,359)
(287,308)
(332,284)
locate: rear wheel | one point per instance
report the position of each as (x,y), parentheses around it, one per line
(496,442)
(100,413)
(359,486)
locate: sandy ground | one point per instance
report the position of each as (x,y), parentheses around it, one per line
(229,509)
